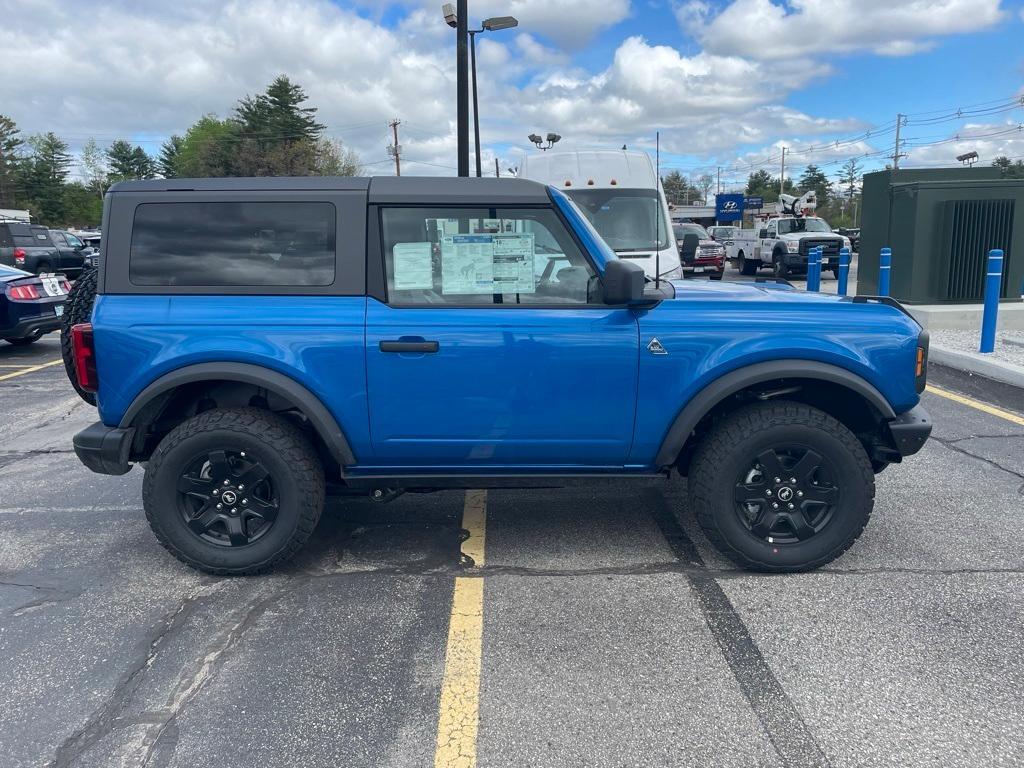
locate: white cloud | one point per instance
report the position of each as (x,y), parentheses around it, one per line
(153,69)
(989,140)
(763,29)
(570,23)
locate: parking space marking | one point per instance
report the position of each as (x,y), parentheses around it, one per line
(459,716)
(474,522)
(976,404)
(782,722)
(32,369)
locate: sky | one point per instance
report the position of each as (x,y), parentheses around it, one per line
(725,84)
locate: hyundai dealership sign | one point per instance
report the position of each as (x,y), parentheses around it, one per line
(728,207)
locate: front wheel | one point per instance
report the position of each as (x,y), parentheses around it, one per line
(779,266)
(781,487)
(234,491)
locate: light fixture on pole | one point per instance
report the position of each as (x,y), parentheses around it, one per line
(456,17)
(552,139)
(453,18)
(968,158)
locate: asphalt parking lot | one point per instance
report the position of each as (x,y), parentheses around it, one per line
(577,627)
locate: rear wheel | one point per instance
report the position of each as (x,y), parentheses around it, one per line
(747,267)
(43,267)
(781,487)
(234,491)
(24,341)
(77,309)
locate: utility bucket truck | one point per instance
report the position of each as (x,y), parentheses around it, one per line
(783,240)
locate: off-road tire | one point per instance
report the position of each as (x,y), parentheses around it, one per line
(287,454)
(77,309)
(748,267)
(732,443)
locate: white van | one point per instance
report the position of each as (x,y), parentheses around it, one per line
(621,194)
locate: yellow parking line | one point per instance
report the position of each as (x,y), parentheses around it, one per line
(977,404)
(33,369)
(474,521)
(460,688)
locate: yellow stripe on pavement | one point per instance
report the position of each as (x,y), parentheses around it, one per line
(460,689)
(977,404)
(474,521)
(33,369)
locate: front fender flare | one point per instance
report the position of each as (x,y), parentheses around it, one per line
(735,381)
(309,404)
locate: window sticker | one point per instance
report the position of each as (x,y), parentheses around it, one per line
(482,264)
(514,264)
(467,264)
(412,267)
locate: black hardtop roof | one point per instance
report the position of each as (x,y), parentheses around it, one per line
(381,189)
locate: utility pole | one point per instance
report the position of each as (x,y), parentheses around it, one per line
(782,174)
(462,83)
(718,186)
(497,169)
(896,155)
(395,150)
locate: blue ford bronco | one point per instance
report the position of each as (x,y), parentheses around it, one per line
(257,344)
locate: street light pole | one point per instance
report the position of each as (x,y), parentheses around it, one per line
(476,108)
(462,84)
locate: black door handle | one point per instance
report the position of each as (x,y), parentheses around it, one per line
(409,346)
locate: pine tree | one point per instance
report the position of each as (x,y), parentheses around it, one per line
(44,175)
(10,145)
(170,151)
(814,178)
(849,176)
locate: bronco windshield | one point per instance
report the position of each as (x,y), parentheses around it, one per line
(627,219)
(802,225)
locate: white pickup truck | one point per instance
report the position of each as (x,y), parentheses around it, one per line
(783,244)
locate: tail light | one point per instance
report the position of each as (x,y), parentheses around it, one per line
(19,256)
(22,292)
(85,357)
(65,286)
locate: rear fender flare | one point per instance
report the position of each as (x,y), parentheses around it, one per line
(735,381)
(309,404)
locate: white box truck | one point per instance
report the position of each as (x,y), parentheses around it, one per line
(621,194)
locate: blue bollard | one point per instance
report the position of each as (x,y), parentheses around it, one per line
(884,267)
(814,269)
(993,282)
(844,270)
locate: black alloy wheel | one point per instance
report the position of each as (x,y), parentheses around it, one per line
(781,486)
(787,494)
(228,498)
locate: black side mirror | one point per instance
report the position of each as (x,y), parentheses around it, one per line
(763,234)
(691,243)
(623,282)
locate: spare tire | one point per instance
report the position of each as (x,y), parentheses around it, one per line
(77,309)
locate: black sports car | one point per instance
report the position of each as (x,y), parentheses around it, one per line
(30,305)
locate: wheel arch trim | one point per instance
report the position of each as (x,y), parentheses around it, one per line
(730,383)
(326,426)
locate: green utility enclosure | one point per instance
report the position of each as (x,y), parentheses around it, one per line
(940,224)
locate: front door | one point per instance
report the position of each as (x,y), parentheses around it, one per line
(492,348)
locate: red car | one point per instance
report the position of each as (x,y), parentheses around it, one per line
(702,256)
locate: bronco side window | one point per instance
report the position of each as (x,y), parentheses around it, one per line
(233,244)
(487,256)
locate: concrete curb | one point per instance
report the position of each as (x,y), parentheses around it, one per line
(997,370)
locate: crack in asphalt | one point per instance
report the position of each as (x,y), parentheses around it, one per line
(102,721)
(952,445)
(161,743)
